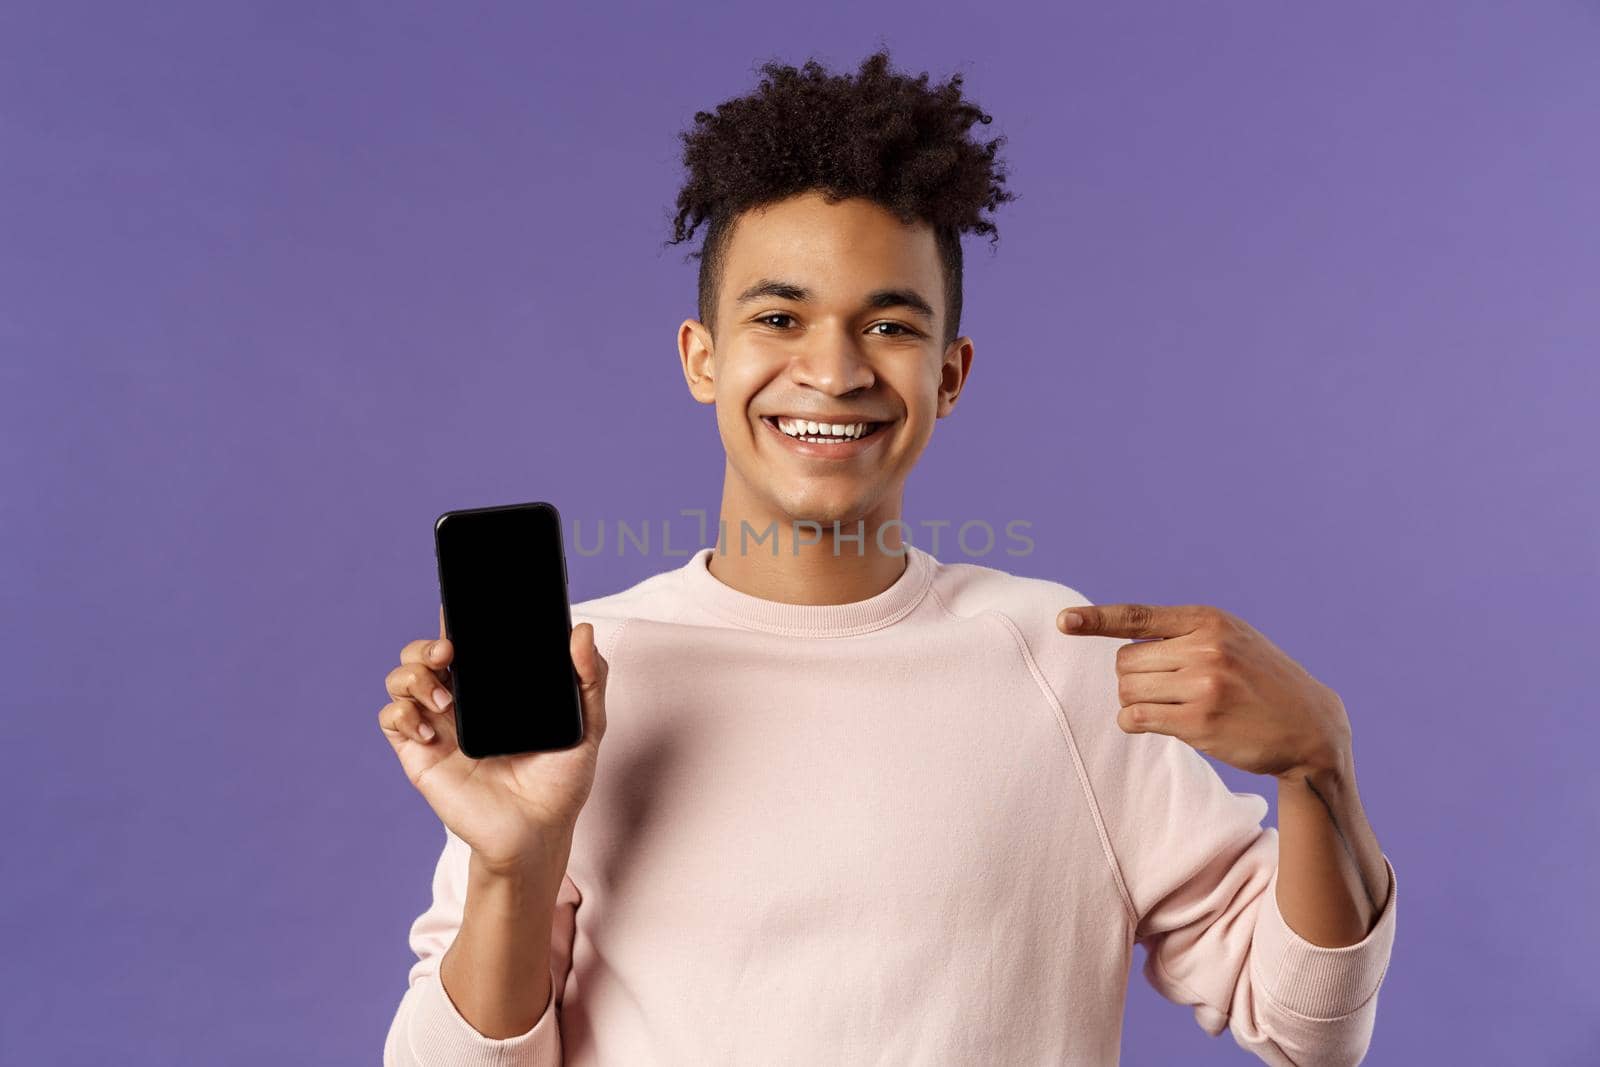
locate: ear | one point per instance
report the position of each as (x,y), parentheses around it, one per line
(953,373)
(699,361)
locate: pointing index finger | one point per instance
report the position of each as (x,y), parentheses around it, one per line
(1128,620)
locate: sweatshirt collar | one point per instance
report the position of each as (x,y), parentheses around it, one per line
(810,620)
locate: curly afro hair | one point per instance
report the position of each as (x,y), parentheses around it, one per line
(883,136)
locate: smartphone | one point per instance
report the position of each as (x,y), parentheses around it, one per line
(503,588)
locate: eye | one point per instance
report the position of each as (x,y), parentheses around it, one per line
(901,330)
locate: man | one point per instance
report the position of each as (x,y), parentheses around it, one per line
(858,805)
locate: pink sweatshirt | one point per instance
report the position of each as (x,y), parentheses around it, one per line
(905,830)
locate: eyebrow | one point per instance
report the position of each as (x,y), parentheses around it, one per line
(881,298)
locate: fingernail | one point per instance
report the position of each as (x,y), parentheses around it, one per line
(426,731)
(433,650)
(441,699)
(1072,619)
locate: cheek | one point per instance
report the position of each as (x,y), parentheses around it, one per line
(733,428)
(738,398)
(922,409)
(735,420)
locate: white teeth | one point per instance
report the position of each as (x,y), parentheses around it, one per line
(821,432)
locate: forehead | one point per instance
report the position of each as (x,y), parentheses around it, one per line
(836,250)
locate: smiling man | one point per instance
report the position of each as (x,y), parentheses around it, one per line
(826,360)
(858,805)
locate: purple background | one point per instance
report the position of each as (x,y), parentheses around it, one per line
(1296,314)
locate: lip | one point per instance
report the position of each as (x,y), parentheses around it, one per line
(846,450)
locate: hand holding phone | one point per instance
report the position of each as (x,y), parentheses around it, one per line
(506,807)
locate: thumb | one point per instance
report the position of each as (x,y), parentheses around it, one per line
(592,673)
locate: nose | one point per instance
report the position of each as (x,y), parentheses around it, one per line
(838,368)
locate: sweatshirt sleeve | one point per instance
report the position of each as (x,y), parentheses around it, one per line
(1200,874)
(1203,875)
(427,1029)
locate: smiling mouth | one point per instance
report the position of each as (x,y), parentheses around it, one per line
(824,433)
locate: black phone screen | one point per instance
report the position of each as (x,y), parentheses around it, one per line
(503,588)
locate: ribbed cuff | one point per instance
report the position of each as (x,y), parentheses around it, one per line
(1313,980)
(439,1035)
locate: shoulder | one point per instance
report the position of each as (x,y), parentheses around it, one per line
(657,597)
(1076,673)
(1030,605)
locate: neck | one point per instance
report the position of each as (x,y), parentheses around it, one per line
(810,565)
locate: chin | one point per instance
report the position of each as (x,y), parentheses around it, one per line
(826,512)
